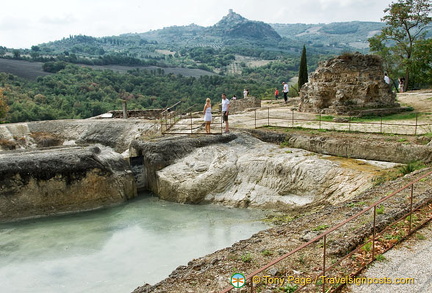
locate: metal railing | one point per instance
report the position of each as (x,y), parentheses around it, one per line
(411,221)
(265,117)
(191,122)
(168,117)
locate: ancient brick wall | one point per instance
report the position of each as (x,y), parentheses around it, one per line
(347,83)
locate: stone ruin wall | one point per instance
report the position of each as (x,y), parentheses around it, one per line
(346,85)
(150,114)
(243,104)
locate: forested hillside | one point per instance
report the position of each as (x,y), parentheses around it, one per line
(81,92)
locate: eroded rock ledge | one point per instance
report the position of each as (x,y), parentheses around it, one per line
(240,170)
(61,180)
(375,149)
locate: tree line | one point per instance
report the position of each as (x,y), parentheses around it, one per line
(81,92)
(404,44)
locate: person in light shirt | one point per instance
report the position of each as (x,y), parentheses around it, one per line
(386,78)
(285,91)
(225,110)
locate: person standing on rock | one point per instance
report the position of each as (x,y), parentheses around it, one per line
(245,93)
(207,115)
(285,91)
(276,94)
(225,109)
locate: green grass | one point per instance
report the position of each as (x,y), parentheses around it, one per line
(247,257)
(400,116)
(266,252)
(320,227)
(392,237)
(296,128)
(380,210)
(289,288)
(412,217)
(380,257)
(355,204)
(367,247)
(420,236)
(284,144)
(277,219)
(325,118)
(411,167)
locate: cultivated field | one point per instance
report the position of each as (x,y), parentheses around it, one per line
(25,69)
(32,70)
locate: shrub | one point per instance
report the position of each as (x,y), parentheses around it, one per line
(411,167)
(43,139)
(8,144)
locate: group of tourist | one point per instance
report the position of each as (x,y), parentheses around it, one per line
(285,90)
(401,82)
(226,104)
(208,113)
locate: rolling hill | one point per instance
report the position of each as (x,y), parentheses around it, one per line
(232,31)
(229,46)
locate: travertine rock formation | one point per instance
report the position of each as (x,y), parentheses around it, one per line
(62,180)
(239,170)
(115,133)
(347,84)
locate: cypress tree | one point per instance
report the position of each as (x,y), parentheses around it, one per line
(303,72)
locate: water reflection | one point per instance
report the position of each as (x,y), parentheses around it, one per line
(117,249)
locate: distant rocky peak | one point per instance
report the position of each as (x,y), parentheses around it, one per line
(234,25)
(231,19)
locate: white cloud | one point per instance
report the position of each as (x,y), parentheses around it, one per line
(28,22)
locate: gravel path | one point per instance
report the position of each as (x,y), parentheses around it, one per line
(411,259)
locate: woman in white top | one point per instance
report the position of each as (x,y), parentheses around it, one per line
(207,115)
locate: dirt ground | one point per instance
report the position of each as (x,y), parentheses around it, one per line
(420,100)
(277,113)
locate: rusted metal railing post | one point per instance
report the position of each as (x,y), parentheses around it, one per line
(324,262)
(373,233)
(161,122)
(411,208)
(349,124)
(292,117)
(221,128)
(268,116)
(381,125)
(255,119)
(170,115)
(124,108)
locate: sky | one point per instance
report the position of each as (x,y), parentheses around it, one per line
(32,22)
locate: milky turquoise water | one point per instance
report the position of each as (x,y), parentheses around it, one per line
(116,249)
